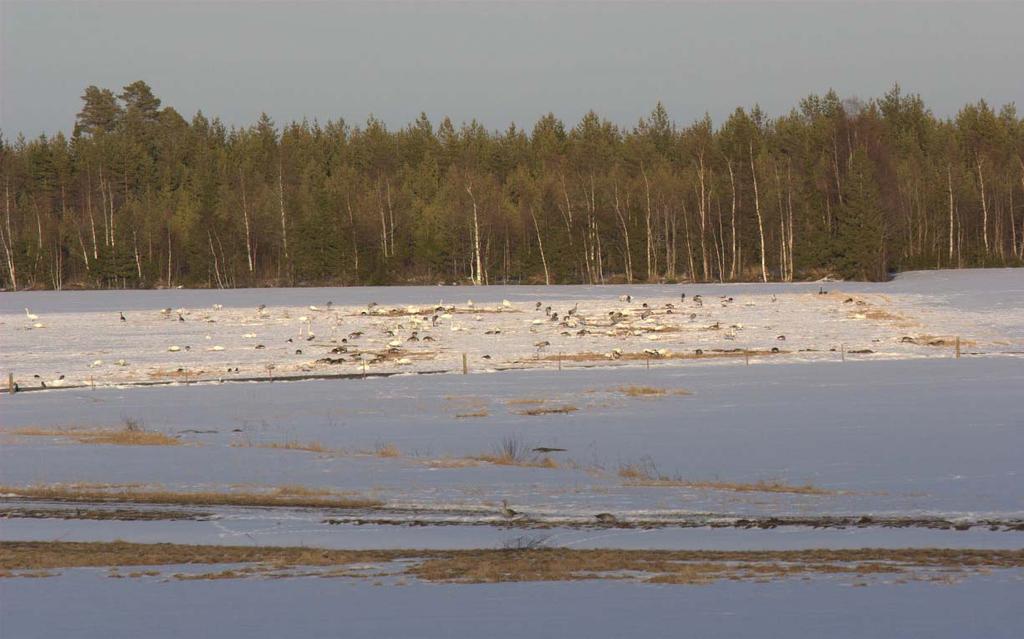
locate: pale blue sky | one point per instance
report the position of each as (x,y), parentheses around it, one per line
(498,63)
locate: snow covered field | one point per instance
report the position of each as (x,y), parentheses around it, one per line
(79,338)
(94,605)
(904,446)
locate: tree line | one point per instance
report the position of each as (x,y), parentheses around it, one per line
(138,196)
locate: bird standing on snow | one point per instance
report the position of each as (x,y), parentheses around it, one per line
(122,317)
(507,512)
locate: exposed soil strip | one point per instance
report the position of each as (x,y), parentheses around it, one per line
(282,497)
(698,521)
(227,380)
(516,563)
(100,514)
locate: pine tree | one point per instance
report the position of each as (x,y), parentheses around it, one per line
(859,244)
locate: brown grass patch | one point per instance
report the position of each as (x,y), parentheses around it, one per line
(175,373)
(505,460)
(737,487)
(529,564)
(470,406)
(942,341)
(109,436)
(454,462)
(640,356)
(309,447)
(291,496)
(524,401)
(645,473)
(881,315)
(473,414)
(649,391)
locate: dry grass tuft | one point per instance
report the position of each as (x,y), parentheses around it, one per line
(129,436)
(291,496)
(386,450)
(634,472)
(513,451)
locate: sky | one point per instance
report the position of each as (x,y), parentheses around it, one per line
(498,63)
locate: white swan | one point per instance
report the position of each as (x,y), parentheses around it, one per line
(31,316)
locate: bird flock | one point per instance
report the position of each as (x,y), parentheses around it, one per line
(221,341)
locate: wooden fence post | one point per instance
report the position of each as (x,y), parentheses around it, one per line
(465,365)
(958,347)
(10,383)
(842,352)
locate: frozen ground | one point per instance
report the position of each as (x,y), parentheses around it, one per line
(914,437)
(905,434)
(93,605)
(78,337)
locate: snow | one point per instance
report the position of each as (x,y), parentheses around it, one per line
(906,432)
(917,437)
(84,341)
(93,605)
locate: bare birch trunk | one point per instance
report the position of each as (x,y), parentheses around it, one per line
(783,263)
(284,221)
(702,209)
(732,185)
(8,238)
(760,221)
(949,183)
(92,220)
(352,227)
(138,258)
(1020,251)
(651,265)
(789,206)
(540,245)
(85,252)
(216,264)
(476,237)
(984,207)
(689,245)
(110,198)
(103,208)
(169,254)
(248,231)
(391,218)
(625,235)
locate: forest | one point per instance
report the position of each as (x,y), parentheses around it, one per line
(140,197)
